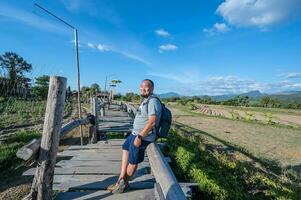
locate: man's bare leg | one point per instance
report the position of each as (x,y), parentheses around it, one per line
(131,168)
(124,165)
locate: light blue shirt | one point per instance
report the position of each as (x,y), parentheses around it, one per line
(153,107)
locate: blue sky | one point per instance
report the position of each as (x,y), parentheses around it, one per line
(191,47)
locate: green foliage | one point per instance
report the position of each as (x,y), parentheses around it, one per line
(249,116)
(220,177)
(234,114)
(8,149)
(40,90)
(191,106)
(131,97)
(15,112)
(268,118)
(15,66)
(18,112)
(237,101)
(267,101)
(94,89)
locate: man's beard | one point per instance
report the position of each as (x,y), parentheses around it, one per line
(144,95)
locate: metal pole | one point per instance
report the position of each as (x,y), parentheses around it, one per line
(77,63)
(78,86)
(106,85)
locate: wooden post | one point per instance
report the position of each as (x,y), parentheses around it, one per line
(94,127)
(42,183)
(102,110)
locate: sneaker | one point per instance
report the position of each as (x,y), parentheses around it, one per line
(111,187)
(120,187)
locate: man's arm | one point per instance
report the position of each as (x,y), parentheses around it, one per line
(149,126)
(146,130)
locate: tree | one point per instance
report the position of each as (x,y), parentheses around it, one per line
(40,89)
(94,88)
(264,101)
(14,66)
(115,81)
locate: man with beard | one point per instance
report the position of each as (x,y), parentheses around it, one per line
(144,133)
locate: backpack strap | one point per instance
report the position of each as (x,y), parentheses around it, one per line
(148,99)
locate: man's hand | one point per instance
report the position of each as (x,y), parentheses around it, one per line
(137,142)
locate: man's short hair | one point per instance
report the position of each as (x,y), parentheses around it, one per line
(150,81)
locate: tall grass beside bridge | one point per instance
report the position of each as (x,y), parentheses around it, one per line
(220,176)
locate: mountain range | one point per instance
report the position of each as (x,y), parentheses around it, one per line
(254,95)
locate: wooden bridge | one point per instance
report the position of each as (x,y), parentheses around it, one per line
(84,172)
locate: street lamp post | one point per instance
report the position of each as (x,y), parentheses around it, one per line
(77,64)
(107,80)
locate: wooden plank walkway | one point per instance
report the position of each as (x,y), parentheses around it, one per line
(84,172)
(115,120)
(90,169)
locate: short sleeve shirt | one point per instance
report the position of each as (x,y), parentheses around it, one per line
(153,107)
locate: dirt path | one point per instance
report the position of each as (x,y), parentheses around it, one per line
(263,141)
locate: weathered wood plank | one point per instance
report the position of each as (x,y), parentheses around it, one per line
(114,169)
(100,185)
(146,194)
(93,178)
(98,164)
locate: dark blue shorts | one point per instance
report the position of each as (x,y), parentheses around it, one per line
(136,154)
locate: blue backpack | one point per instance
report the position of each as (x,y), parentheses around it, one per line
(165,120)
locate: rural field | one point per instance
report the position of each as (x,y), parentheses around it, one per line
(276,139)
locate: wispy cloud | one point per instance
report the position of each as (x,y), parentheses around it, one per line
(161,32)
(91,45)
(186,77)
(258,13)
(194,84)
(30,19)
(291,75)
(167,47)
(107,48)
(217,28)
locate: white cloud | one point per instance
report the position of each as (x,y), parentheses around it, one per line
(91,45)
(167,47)
(103,48)
(186,77)
(106,48)
(217,28)
(162,32)
(194,84)
(292,75)
(258,13)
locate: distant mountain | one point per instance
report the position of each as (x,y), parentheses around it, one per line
(223,97)
(168,95)
(285,96)
(288,93)
(253,94)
